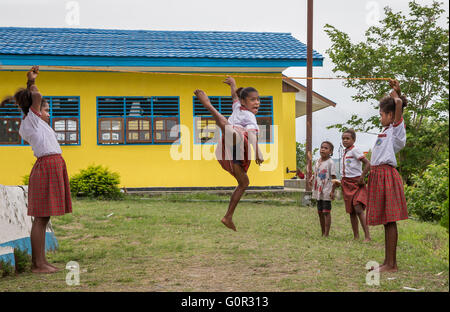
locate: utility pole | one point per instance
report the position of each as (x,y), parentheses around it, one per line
(309,83)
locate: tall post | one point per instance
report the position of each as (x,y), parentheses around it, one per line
(309,83)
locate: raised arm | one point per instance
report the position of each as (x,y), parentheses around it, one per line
(36,96)
(232,83)
(395,94)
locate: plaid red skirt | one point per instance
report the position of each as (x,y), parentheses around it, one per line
(353,193)
(48,189)
(224,152)
(386,198)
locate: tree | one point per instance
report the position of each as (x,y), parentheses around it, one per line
(414,50)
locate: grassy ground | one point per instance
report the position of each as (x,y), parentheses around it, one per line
(177,243)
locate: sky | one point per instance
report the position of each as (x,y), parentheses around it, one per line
(351,16)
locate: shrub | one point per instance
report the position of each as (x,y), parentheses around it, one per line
(429,193)
(444,220)
(96,182)
(5,268)
(26,179)
(22,259)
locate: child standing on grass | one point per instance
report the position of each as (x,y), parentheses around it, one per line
(353,185)
(48,188)
(386,199)
(323,186)
(240,130)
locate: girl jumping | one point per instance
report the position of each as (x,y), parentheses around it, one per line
(386,199)
(238,131)
(48,189)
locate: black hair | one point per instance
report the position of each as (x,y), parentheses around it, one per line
(243,93)
(330,144)
(22,98)
(387,104)
(352,133)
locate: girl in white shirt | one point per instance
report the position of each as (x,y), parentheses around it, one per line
(240,130)
(48,188)
(386,202)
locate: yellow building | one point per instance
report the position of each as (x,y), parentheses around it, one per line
(115,96)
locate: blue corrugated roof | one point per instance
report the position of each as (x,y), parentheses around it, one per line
(151,44)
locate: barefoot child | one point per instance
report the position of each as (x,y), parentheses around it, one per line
(323,187)
(353,185)
(240,130)
(386,199)
(48,189)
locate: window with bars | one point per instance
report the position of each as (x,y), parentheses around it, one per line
(206,130)
(64,119)
(137,120)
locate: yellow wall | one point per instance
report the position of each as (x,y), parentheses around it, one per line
(148,165)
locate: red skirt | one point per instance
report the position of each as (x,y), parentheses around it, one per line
(48,189)
(224,153)
(353,193)
(386,198)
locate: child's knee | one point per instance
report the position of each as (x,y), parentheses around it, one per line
(244,184)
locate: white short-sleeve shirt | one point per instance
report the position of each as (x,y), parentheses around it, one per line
(241,116)
(351,162)
(322,185)
(39,134)
(389,143)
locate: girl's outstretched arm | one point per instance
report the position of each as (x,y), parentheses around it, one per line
(232,83)
(36,97)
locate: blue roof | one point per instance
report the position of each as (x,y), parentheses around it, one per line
(151,44)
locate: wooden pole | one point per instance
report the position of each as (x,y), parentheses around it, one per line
(309,83)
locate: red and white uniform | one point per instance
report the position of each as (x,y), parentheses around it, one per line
(386,198)
(242,120)
(389,143)
(351,162)
(48,188)
(39,134)
(242,117)
(351,170)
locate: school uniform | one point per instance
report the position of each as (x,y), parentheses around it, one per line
(322,187)
(351,170)
(48,189)
(243,121)
(386,198)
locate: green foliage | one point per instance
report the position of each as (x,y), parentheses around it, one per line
(26,179)
(22,259)
(96,182)
(428,196)
(414,50)
(445,207)
(6,268)
(301,156)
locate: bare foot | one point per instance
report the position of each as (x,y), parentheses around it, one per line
(52,266)
(228,223)
(388,268)
(43,269)
(367,240)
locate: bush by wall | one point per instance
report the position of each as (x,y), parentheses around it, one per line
(96,182)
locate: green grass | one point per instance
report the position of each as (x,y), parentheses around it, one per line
(177,243)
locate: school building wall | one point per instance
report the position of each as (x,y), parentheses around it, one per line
(152,165)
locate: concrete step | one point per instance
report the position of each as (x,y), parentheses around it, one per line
(295,183)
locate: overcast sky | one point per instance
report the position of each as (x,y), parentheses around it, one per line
(350,16)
